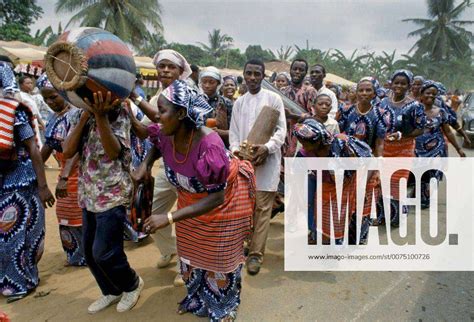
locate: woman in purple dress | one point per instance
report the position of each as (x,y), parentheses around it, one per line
(216,200)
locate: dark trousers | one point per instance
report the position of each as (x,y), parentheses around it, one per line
(103,249)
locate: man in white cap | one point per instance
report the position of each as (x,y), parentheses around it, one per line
(171,66)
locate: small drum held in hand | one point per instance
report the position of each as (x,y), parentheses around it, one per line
(261,131)
(87,60)
(142,203)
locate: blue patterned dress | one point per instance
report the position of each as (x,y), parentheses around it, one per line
(139,147)
(452,117)
(22,222)
(67,209)
(432,144)
(405,117)
(366,127)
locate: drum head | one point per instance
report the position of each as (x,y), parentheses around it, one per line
(66,66)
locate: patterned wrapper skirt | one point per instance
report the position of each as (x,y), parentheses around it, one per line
(211,294)
(71,239)
(396,149)
(22,230)
(211,246)
(330,213)
(70,220)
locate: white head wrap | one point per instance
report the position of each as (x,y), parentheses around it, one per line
(211,71)
(176,58)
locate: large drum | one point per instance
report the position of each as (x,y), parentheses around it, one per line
(88,60)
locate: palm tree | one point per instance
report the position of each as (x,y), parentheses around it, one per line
(41,36)
(350,67)
(127,19)
(218,43)
(47,36)
(284,53)
(442,34)
(312,56)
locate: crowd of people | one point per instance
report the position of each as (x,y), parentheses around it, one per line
(194,130)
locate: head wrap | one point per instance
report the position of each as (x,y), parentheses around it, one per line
(379,91)
(43,82)
(338,89)
(372,80)
(312,130)
(284,74)
(405,73)
(212,72)
(174,57)
(418,77)
(353,88)
(230,77)
(180,94)
(441,88)
(8,81)
(427,84)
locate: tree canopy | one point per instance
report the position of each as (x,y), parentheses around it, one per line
(128,19)
(15,18)
(442,35)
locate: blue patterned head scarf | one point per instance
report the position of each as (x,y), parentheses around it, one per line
(405,73)
(379,91)
(338,89)
(372,80)
(312,130)
(180,94)
(441,88)
(427,84)
(43,82)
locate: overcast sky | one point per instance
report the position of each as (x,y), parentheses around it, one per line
(373,25)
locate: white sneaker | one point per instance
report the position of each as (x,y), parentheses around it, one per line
(129,299)
(164,260)
(103,302)
(178,280)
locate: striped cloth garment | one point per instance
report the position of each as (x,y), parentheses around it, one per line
(8,108)
(348,203)
(214,241)
(67,209)
(399,149)
(7,122)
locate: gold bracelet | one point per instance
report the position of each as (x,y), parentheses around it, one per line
(138,100)
(170,218)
